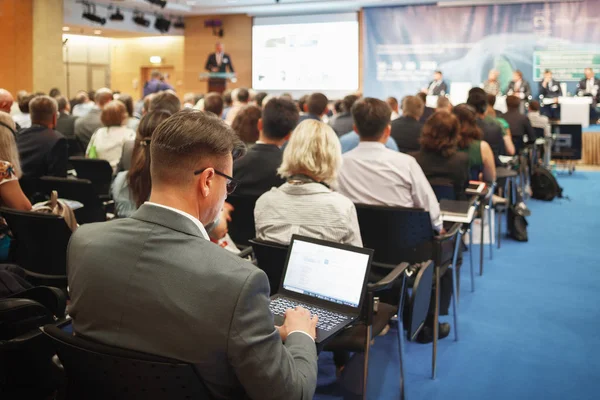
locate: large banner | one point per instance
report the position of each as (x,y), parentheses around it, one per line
(405,45)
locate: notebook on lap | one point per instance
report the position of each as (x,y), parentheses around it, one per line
(328,279)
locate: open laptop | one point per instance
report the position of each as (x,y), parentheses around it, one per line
(329,279)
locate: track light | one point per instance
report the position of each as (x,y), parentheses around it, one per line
(117,16)
(179,24)
(160,3)
(139,19)
(90,14)
(162,24)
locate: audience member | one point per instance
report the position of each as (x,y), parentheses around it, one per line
(301,103)
(350,140)
(372,174)
(6,101)
(406,130)
(245,124)
(259,97)
(54,92)
(242,353)
(519,124)
(132,122)
(492,116)
(156,84)
(240,97)
(42,150)
(14,110)
(84,104)
(342,123)
(305,204)
(23,120)
(86,125)
(107,142)
(438,156)
(537,120)
(227,103)
(189,100)
(443,104)
(492,132)
(393,103)
(131,188)
(256,172)
(315,107)
(427,111)
(11,195)
(482,163)
(65,123)
(213,102)
(164,101)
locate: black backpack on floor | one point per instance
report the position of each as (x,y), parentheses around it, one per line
(544,185)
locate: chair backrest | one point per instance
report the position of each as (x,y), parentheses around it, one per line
(98,171)
(41,241)
(74,148)
(80,190)
(270,257)
(242,228)
(443,189)
(420,299)
(96,371)
(396,234)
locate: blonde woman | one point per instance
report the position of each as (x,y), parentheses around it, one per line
(11,194)
(305,204)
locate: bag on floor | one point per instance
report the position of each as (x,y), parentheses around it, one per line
(517,225)
(544,185)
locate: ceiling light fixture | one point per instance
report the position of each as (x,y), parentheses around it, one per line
(139,19)
(66,29)
(162,24)
(97,32)
(90,14)
(160,3)
(117,16)
(179,24)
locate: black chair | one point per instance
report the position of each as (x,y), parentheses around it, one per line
(399,235)
(97,372)
(81,190)
(270,257)
(242,228)
(40,245)
(74,148)
(26,367)
(97,171)
(31,189)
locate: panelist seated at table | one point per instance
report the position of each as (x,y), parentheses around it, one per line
(437,87)
(590,86)
(550,91)
(519,87)
(492,85)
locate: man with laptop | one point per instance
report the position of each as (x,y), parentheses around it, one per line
(154,283)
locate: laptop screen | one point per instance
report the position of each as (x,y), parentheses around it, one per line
(327,273)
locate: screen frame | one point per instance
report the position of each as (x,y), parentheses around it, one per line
(314,300)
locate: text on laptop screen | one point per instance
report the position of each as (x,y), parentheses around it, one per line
(326,272)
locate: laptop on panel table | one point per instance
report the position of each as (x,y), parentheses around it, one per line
(329,279)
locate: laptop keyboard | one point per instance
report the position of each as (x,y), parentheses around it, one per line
(327,319)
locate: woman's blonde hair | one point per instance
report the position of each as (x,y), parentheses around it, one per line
(313,148)
(8,146)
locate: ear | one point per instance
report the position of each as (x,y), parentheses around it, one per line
(387,131)
(355,129)
(305,108)
(288,136)
(259,125)
(54,120)
(205,182)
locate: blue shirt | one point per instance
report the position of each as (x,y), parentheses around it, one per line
(351,139)
(155,86)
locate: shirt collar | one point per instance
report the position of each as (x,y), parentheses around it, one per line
(189,216)
(371,145)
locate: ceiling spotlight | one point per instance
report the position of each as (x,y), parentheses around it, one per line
(90,14)
(117,16)
(162,24)
(179,24)
(139,19)
(97,32)
(160,3)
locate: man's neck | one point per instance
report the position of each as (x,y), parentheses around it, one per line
(175,200)
(265,140)
(381,140)
(44,124)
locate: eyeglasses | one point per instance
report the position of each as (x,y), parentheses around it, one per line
(232,183)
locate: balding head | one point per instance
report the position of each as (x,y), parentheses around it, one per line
(43,111)
(6,100)
(103,96)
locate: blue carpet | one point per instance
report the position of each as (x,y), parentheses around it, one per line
(530,330)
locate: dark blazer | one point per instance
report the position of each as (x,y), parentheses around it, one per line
(43,152)
(519,126)
(493,135)
(153,283)
(439,90)
(66,125)
(427,112)
(552,90)
(257,170)
(454,169)
(211,62)
(304,117)
(406,131)
(581,86)
(342,123)
(525,88)
(87,125)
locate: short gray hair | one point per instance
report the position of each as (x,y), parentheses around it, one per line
(315,148)
(8,146)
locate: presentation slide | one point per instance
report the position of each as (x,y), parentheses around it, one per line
(295,54)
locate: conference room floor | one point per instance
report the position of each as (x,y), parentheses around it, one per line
(531,330)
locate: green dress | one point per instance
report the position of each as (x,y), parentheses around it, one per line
(475,159)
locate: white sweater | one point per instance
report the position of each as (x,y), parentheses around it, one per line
(109,143)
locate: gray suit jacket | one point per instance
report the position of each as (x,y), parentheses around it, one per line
(125,163)
(152,283)
(86,126)
(66,125)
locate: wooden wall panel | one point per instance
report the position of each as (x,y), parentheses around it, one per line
(16,46)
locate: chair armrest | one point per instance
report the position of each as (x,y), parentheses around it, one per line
(246,252)
(52,298)
(389,279)
(448,235)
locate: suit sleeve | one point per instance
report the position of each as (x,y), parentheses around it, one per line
(209,63)
(527,90)
(265,367)
(58,158)
(230,64)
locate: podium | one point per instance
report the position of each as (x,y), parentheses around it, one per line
(217,81)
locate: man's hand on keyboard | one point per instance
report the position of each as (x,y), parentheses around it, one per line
(298,319)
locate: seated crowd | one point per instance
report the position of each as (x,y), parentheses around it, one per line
(174,165)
